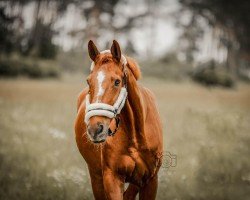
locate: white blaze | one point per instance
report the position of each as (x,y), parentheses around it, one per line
(100,79)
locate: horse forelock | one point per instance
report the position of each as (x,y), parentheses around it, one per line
(105,58)
(102,59)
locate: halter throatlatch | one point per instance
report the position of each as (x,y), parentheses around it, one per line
(103,109)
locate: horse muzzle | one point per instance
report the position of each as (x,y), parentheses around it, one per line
(97,132)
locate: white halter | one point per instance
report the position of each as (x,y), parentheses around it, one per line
(103,109)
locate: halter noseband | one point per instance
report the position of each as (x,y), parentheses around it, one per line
(103,109)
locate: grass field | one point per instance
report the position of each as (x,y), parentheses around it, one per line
(207,129)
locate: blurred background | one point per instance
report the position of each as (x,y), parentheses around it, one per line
(194,55)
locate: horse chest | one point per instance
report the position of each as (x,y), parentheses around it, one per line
(138,168)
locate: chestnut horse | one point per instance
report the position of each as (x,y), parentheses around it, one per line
(118,129)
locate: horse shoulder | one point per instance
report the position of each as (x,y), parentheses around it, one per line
(80,127)
(92,157)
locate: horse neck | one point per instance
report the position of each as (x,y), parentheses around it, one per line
(133,114)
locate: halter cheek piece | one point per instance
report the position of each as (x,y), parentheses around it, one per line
(103,109)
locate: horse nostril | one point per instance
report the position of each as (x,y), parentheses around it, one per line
(95,130)
(99,129)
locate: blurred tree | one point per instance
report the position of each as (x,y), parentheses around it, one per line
(37,40)
(6,31)
(191,33)
(39,37)
(233,18)
(46,49)
(11,25)
(105,17)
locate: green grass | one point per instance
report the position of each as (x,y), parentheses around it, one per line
(208,130)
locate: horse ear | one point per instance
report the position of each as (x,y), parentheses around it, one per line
(116,51)
(93,51)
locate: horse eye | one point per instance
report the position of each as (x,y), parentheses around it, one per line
(87,81)
(117,82)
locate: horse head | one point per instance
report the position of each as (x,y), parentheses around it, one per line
(107,90)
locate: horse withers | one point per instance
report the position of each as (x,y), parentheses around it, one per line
(118,130)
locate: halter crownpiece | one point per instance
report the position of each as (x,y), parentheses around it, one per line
(103,109)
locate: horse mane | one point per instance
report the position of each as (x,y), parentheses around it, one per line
(134,67)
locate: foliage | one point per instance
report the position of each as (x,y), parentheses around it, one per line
(36,41)
(211,74)
(74,61)
(232,18)
(30,67)
(6,31)
(167,67)
(231,14)
(46,48)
